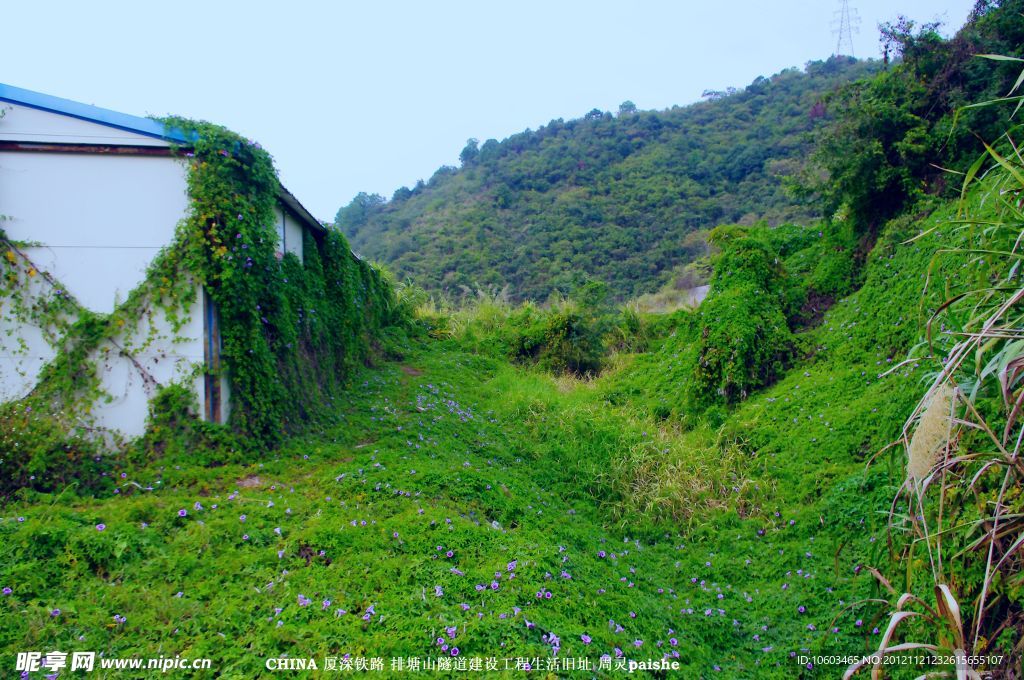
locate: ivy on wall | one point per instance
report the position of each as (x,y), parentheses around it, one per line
(290,330)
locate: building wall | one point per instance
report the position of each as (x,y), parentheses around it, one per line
(93,222)
(289,232)
(24,347)
(130,382)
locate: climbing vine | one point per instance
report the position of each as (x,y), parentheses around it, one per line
(290,330)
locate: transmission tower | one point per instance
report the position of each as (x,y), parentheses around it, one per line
(844,25)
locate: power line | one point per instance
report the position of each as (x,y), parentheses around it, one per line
(845,23)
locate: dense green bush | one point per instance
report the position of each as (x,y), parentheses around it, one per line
(744,337)
(37,452)
(743,345)
(572,343)
(175,432)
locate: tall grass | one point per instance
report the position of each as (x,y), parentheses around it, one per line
(957,526)
(574,336)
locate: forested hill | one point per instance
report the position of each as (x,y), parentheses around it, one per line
(619,198)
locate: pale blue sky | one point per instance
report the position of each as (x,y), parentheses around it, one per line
(370,96)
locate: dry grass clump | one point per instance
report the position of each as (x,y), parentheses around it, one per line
(932,434)
(683,478)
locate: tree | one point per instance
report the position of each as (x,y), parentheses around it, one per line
(470,152)
(627,108)
(354,215)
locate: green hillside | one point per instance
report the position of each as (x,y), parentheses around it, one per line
(618,198)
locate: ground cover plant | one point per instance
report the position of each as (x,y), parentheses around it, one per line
(466,502)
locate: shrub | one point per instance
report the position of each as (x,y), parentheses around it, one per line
(744,337)
(36,452)
(744,342)
(174,431)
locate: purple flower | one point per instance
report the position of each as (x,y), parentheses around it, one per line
(801,609)
(586,639)
(55,613)
(455,651)
(101,526)
(7,591)
(182,512)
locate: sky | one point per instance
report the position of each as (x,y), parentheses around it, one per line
(374,95)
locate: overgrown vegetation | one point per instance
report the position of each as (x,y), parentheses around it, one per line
(291,331)
(716,485)
(897,135)
(956,526)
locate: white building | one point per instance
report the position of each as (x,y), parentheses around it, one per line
(88,198)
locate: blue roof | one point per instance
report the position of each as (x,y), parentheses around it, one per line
(93,114)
